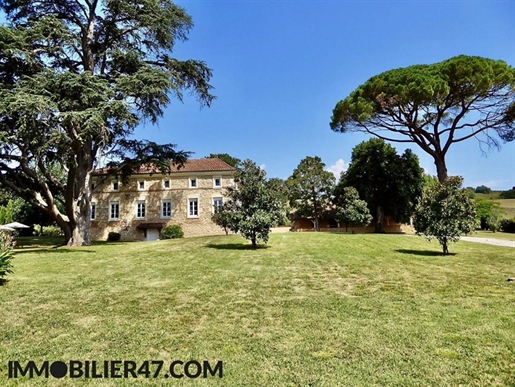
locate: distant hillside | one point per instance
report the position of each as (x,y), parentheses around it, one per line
(508,205)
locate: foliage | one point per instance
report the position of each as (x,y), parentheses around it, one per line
(172,232)
(280,188)
(51,230)
(76,78)
(310,188)
(232,161)
(226,219)
(389,183)
(352,210)
(483,189)
(253,208)
(488,213)
(510,194)
(6,213)
(445,212)
(113,236)
(7,243)
(434,105)
(507,225)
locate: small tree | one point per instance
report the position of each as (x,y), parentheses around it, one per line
(226,218)
(352,210)
(310,188)
(445,212)
(252,208)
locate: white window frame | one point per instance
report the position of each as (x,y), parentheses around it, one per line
(220,181)
(115,185)
(196,207)
(139,185)
(163,216)
(93,211)
(111,203)
(191,184)
(164,184)
(216,199)
(144,207)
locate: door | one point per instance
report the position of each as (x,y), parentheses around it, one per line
(152,234)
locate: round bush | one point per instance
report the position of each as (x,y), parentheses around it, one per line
(172,232)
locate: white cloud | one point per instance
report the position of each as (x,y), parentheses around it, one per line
(337,168)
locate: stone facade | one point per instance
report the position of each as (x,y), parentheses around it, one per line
(150,201)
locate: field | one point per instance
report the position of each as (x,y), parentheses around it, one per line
(306,310)
(508,205)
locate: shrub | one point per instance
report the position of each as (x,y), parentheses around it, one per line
(507,225)
(47,230)
(172,232)
(113,236)
(7,243)
(510,194)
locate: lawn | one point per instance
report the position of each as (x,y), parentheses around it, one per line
(310,309)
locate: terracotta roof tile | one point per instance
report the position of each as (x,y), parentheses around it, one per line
(192,165)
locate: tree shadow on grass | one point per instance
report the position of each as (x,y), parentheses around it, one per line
(43,251)
(230,246)
(426,253)
(3,281)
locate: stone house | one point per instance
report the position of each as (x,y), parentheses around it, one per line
(150,201)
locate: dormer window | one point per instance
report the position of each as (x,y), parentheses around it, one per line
(141,185)
(115,185)
(166,184)
(217,182)
(193,182)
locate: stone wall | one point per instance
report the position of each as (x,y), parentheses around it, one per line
(153,193)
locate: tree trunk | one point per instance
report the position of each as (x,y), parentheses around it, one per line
(441,168)
(444,246)
(317,223)
(379,220)
(253,240)
(79,235)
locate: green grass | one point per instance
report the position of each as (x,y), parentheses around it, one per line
(308,310)
(493,235)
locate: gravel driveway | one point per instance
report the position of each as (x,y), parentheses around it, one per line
(489,241)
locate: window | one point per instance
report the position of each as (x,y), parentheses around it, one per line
(115,185)
(217,204)
(166,208)
(217,182)
(193,182)
(141,185)
(140,209)
(166,184)
(193,208)
(93,210)
(114,210)
(92,186)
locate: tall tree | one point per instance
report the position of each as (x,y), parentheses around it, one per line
(232,161)
(389,183)
(76,78)
(444,212)
(434,106)
(310,189)
(253,207)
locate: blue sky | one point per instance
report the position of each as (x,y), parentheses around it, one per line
(281,66)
